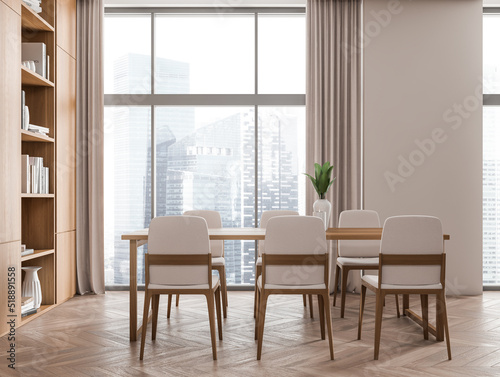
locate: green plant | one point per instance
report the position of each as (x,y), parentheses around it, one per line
(322,178)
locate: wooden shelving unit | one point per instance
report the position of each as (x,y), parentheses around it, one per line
(38,210)
(44,222)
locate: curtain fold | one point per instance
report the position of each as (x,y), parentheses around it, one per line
(334,102)
(90,148)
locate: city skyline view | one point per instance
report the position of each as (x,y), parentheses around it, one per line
(209,166)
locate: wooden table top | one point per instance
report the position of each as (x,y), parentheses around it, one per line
(259,234)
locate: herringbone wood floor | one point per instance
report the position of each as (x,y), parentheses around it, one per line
(88,336)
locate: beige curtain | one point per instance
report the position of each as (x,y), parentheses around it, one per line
(333,101)
(90,148)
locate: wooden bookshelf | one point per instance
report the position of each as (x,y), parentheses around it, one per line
(30,219)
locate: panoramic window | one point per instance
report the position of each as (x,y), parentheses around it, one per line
(491,152)
(202,111)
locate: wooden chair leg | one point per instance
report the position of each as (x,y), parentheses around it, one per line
(424,300)
(397,306)
(444,320)
(335,287)
(378,322)
(406,303)
(262,318)
(211,318)
(258,270)
(145,315)
(177,299)
(321,310)
(311,311)
(345,274)
(257,297)
(169,305)
(304,299)
(156,307)
(218,310)
(328,316)
(223,288)
(361,310)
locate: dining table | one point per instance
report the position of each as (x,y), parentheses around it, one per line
(140,237)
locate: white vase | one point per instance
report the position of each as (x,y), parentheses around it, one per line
(322,208)
(31,285)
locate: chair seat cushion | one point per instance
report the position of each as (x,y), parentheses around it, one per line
(344,261)
(373,280)
(218,261)
(259,261)
(281,286)
(215,281)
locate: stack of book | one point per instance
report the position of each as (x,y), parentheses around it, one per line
(38,129)
(34,176)
(25,251)
(27,306)
(36,5)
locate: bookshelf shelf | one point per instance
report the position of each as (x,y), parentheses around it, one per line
(37,254)
(32,21)
(41,310)
(37,196)
(30,78)
(34,137)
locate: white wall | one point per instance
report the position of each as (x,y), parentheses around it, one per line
(422,82)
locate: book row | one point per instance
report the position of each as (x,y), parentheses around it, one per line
(34,176)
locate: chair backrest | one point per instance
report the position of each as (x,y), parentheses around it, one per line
(412,235)
(213,220)
(296,235)
(266,215)
(178,235)
(359,219)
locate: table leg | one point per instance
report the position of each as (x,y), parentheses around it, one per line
(133,290)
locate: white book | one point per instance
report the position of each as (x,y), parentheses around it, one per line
(47,69)
(25,174)
(42,181)
(47,180)
(39,165)
(34,127)
(27,252)
(28,306)
(36,51)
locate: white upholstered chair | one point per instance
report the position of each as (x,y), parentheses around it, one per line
(179,261)
(356,255)
(294,261)
(213,220)
(412,261)
(266,215)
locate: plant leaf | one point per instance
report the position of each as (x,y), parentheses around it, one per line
(313,181)
(317,171)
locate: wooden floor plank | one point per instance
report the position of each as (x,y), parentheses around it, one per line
(88,336)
